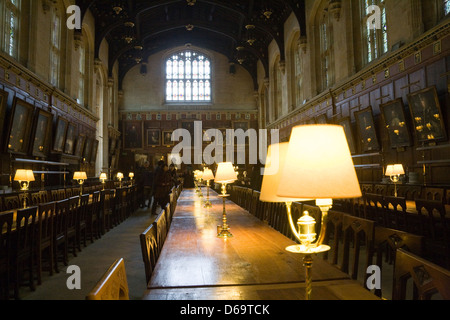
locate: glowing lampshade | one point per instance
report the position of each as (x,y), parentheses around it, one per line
(24,175)
(225,173)
(319,165)
(208,174)
(394,169)
(103,176)
(276,156)
(80,175)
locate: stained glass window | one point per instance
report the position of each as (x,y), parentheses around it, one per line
(10,41)
(376,39)
(55,48)
(446,7)
(188,77)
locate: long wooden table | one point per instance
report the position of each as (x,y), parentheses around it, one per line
(251,265)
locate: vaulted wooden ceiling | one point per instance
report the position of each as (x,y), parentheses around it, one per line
(224,26)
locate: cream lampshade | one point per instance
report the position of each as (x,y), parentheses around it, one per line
(276,156)
(119,175)
(207,174)
(394,170)
(319,165)
(79,175)
(24,175)
(131,175)
(225,173)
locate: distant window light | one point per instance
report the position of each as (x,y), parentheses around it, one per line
(188,77)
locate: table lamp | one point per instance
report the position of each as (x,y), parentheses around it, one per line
(103,177)
(393,171)
(318,166)
(131,176)
(24,177)
(225,174)
(80,176)
(207,175)
(120,177)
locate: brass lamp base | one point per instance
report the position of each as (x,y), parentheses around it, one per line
(224,230)
(308,252)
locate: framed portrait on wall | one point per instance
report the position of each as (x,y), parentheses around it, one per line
(42,134)
(87,149)
(367,134)
(20,127)
(427,115)
(94,151)
(3,104)
(132,137)
(80,145)
(69,147)
(321,119)
(60,134)
(167,138)
(346,123)
(394,120)
(153,137)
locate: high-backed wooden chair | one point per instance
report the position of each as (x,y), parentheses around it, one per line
(396,216)
(11,202)
(358,235)
(44,238)
(23,248)
(434,194)
(428,278)
(35,198)
(60,245)
(161,230)
(72,221)
(92,226)
(374,208)
(81,223)
(380,189)
(386,243)
(408,192)
(44,196)
(6,222)
(149,248)
(113,285)
(435,226)
(333,236)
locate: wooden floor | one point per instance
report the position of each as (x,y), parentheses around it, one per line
(251,265)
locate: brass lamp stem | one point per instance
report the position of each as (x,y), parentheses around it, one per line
(291,222)
(207,203)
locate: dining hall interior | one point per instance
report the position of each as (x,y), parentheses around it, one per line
(224,150)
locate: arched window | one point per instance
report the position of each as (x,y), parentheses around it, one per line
(82,75)
(374,28)
(188,77)
(277,86)
(297,75)
(446,5)
(326,52)
(55,47)
(10,15)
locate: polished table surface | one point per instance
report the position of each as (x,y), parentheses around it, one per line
(253,264)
